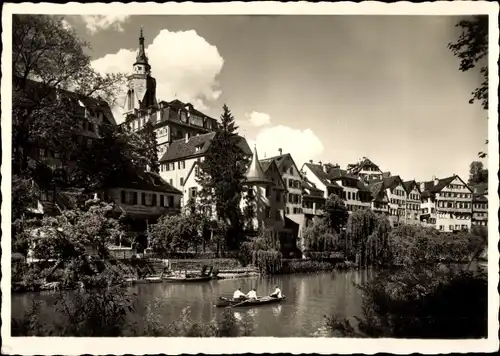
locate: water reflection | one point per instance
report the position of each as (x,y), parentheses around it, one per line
(308,299)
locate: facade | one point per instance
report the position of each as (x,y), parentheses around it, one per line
(413,202)
(396,196)
(446,204)
(264,199)
(354,192)
(380,200)
(480,205)
(291,177)
(177,165)
(317,174)
(366,170)
(172,120)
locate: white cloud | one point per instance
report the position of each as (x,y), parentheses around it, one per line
(303,145)
(102,22)
(184,64)
(66,25)
(258,118)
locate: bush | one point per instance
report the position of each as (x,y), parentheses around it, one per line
(424,304)
(306,266)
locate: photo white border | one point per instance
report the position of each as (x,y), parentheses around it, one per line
(75,346)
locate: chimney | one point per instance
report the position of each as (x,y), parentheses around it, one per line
(186,137)
(325,168)
(320,163)
(311,161)
(422,186)
(436,180)
(281,151)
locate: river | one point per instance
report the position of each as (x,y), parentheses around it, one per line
(308,298)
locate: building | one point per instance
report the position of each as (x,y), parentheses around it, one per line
(380,200)
(366,170)
(446,204)
(413,201)
(172,120)
(396,198)
(480,205)
(291,177)
(317,175)
(178,164)
(264,201)
(354,192)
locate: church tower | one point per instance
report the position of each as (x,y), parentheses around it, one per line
(141,93)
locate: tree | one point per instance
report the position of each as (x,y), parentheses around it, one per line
(148,135)
(367,237)
(471,49)
(320,238)
(173,234)
(264,251)
(335,213)
(221,177)
(48,57)
(477,174)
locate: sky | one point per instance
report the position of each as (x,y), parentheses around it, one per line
(323,88)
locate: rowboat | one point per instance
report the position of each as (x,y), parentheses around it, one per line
(224,302)
(187,279)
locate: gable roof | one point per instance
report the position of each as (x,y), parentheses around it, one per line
(481,188)
(280,161)
(365,162)
(180,149)
(430,188)
(409,185)
(144,181)
(392,182)
(318,171)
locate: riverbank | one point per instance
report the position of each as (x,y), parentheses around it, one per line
(39,277)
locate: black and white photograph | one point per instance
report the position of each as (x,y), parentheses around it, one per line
(297,176)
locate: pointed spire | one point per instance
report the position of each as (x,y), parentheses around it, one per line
(141,55)
(254,173)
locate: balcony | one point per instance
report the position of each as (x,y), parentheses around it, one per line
(311,211)
(454,210)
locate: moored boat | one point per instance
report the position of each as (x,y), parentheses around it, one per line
(224,302)
(187,279)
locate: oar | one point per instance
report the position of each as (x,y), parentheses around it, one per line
(230,306)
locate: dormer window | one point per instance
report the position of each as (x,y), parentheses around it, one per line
(198,148)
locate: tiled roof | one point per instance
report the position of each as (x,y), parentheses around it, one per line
(180,149)
(481,188)
(145,181)
(409,185)
(479,198)
(392,182)
(431,187)
(322,176)
(94,105)
(356,167)
(265,164)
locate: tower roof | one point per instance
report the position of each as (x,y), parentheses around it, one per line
(255,174)
(141,54)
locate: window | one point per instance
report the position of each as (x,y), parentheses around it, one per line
(268,212)
(182,181)
(291,170)
(287,210)
(268,192)
(171,182)
(41,152)
(278,215)
(451,227)
(197,171)
(278,196)
(192,192)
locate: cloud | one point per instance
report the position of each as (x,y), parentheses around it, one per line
(184,64)
(258,118)
(303,145)
(66,25)
(95,23)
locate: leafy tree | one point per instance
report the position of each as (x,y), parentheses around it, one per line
(24,194)
(477,173)
(335,213)
(221,177)
(264,252)
(173,234)
(148,135)
(367,237)
(471,48)
(320,238)
(45,51)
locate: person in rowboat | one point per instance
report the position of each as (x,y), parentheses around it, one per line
(239,295)
(252,295)
(276,293)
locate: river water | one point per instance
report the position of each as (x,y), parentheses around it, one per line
(308,298)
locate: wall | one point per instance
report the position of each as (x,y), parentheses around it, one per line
(397,205)
(454,207)
(173,176)
(413,206)
(291,174)
(142,210)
